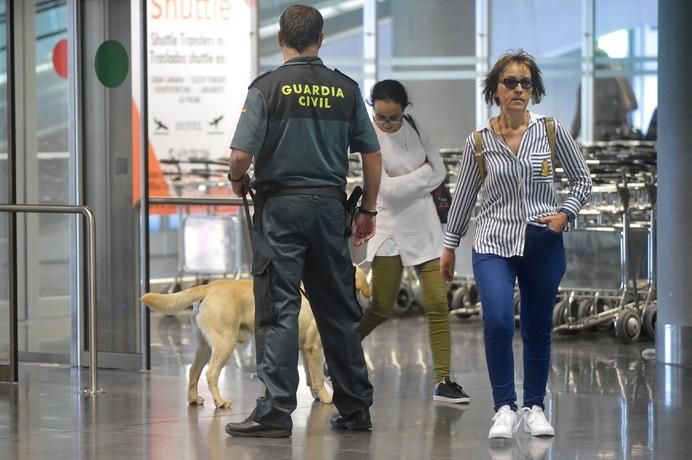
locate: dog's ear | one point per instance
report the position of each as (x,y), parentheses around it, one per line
(362,283)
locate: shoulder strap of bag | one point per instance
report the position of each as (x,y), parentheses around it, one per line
(409,120)
(550,131)
(478,149)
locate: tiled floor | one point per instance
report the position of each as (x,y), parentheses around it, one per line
(605,400)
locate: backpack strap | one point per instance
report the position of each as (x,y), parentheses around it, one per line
(550,131)
(409,120)
(478,153)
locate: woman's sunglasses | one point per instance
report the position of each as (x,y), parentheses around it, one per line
(511,83)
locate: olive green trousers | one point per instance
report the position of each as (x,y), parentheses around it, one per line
(386,279)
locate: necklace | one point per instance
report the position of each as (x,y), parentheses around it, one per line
(499,128)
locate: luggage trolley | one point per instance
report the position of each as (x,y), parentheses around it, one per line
(464,300)
(462,293)
(649,306)
(602,288)
(601,283)
(209,244)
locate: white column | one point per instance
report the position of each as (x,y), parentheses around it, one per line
(587,79)
(482,55)
(369,45)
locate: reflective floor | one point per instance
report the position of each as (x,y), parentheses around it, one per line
(605,401)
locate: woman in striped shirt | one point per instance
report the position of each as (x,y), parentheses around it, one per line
(518,232)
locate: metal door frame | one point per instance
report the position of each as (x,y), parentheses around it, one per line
(10,372)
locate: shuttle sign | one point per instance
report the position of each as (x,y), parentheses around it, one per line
(200,64)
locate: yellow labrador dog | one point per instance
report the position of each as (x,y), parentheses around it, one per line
(224,307)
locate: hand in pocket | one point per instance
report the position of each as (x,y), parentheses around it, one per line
(555,223)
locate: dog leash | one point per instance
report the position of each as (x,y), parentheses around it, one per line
(248,217)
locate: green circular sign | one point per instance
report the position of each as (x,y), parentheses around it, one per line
(112,63)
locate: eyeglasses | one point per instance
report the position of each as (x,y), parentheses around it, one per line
(388,121)
(511,83)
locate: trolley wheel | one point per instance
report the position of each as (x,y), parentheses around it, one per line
(417,292)
(451,289)
(567,310)
(404,301)
(461,301)
(473,295)
(601,306)
(585,309)
(560,313)
(628,326)
(517,309)
(457,299)
(649,320)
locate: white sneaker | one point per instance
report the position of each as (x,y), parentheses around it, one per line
(505,421)
(535,422)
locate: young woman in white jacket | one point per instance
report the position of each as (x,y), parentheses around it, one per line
(408,232)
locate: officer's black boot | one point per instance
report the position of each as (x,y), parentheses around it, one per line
(251,428)
(358,421)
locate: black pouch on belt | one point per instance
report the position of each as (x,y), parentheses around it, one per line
(263,276)
(351,206)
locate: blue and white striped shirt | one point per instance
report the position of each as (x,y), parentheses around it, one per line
(514,192)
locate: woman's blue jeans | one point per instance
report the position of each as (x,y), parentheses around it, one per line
(538,272)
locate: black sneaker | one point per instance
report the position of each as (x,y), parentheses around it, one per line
(451,392)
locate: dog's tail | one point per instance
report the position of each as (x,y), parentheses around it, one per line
(171,303)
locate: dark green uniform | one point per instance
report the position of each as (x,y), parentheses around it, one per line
(299,122)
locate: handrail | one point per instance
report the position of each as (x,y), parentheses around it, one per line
(88,215)
(204,201)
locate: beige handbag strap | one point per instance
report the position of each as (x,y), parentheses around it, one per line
(478,147)
(550,131)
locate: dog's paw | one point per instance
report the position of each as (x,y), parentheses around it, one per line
(195,400)
(323,396)
(222,404)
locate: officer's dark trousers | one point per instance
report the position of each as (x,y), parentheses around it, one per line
(302,237)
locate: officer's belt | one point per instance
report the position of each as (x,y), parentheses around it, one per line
(331,192)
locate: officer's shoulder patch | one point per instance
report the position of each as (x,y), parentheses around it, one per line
(347,77)
(259,78)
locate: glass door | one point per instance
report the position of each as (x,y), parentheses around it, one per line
(45,242)
(37,323)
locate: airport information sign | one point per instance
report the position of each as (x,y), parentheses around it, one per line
(200,63)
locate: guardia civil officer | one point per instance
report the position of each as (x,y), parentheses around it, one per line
(298,123)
